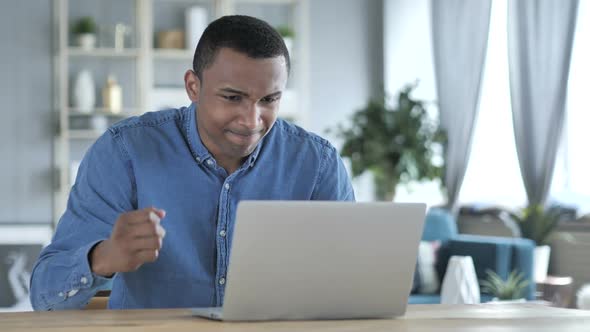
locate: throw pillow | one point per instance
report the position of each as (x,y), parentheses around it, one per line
(426,280)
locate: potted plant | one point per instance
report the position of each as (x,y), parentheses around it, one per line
(85,30)
(504,290)
(397,145)
(288,35)
(538,223)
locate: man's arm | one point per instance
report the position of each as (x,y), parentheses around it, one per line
(62,277)
(333,183)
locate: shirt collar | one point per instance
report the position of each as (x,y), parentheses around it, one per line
(198,149)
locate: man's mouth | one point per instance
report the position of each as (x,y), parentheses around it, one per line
(245,133)
(245,137)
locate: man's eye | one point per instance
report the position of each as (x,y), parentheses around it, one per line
(269,100)
(233,98)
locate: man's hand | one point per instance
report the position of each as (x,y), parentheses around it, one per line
(136,239)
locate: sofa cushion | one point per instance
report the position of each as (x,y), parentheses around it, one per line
(488,253)
(416,281)
(439,225)
(424,299)
(426,279)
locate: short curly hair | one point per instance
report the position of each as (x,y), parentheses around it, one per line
(244,34)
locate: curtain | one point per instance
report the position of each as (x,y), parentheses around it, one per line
(460,36)
(540,38)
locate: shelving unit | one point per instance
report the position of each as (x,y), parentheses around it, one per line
(103,52)
(173,54)
(147,73)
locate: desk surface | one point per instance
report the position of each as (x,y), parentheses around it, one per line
(499,317)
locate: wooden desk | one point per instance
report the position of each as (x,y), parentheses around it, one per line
(498,317)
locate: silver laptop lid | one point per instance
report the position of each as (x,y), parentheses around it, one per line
(321,260)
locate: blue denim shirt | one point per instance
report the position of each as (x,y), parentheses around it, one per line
(159,160)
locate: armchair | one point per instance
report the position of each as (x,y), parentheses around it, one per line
(499,254)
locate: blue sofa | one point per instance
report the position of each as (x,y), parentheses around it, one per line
(499,254)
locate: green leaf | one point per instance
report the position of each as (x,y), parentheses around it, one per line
(85,24)
(509,289)
(537,222)
(400,142)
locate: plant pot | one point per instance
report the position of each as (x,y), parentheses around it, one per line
(541,262)
(384,186)
(86,41)
(173,39)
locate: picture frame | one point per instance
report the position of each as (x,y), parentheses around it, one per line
(20,246)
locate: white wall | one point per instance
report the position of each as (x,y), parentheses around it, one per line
(345,58)
(346,65)
(408,47)
(26,128)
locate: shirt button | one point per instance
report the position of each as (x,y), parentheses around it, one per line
(209,162)
(61,294)
(72,292)
(227,186)
(84,280)
(222,281)
(222,233)
(198,159)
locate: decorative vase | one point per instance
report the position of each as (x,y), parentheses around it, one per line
(112,96)
(86,41)
(83,96)
(541,262)
(460,285)
(121,33)
(195,23)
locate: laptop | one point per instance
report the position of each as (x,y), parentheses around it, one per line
(305,260)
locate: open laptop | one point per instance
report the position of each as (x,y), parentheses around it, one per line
(307,260)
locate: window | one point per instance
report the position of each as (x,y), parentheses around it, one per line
(493,173)
(571,183)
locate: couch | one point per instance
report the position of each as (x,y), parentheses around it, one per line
(499,254)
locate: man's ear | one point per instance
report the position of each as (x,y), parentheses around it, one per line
(192,84)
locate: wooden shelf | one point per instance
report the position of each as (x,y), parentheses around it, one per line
(266,2)
(136,67)
(173,54)
(125,112)
(84,134)
(103,52)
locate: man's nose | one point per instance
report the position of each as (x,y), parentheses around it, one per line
(251,116)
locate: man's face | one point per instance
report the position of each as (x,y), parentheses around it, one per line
(237,102)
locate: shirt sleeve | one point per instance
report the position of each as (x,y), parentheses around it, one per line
(104,188)
(333,183)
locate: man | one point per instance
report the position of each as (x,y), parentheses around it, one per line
(154,202)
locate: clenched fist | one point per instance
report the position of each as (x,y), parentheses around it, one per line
(136,239)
